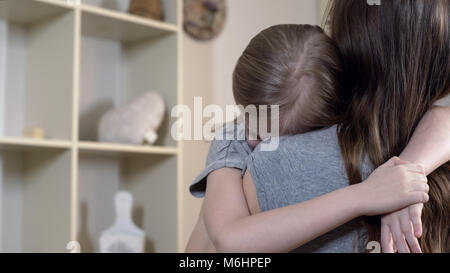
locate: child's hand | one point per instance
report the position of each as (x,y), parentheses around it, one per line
(393,186)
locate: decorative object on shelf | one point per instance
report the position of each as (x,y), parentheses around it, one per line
(136,123)
(152,9)
(204,19)
(37,133)
(123,236)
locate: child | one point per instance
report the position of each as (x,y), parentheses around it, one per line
(299,74)
(296,67)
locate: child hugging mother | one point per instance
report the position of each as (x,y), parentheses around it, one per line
(364,152)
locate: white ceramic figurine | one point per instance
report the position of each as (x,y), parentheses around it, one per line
(123,236)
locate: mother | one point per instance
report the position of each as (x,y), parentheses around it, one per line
(397,65)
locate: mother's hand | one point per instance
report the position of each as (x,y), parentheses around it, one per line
(400,230)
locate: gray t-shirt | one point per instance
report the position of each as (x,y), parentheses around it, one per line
(302,168)
(223,154)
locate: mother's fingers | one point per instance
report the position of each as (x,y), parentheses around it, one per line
(397,236)
(387,245)
(408,232)
(415,214)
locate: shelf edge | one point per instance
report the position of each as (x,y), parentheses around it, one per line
(55,3)
(121,148)
(44,143)
(129,18)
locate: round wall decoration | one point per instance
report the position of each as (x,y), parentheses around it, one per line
(204,19)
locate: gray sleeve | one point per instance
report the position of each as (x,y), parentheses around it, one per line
(222,154)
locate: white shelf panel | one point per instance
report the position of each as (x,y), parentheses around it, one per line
(113,25)
(17,143)
(36,189)
(28,12)
(111,148)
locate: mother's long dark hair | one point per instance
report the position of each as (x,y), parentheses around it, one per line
(396,65)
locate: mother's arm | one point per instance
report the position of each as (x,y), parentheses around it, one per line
(430,148)
(430,144)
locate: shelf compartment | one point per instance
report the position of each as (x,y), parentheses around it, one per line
(118,10)
(118,149)
(127,28)
(29,12)
(34,200)
(36,69)
(114,73)
(152,181)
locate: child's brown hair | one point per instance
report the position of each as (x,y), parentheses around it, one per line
(297,67)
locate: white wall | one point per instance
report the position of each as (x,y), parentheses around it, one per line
(444,101)
(3,38)
(2,103)
(208,68)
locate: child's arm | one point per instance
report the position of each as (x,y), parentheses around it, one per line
(199,240)
(429,147)
(232,229)
(222,154)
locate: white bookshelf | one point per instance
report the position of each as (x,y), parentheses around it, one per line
(61,67)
